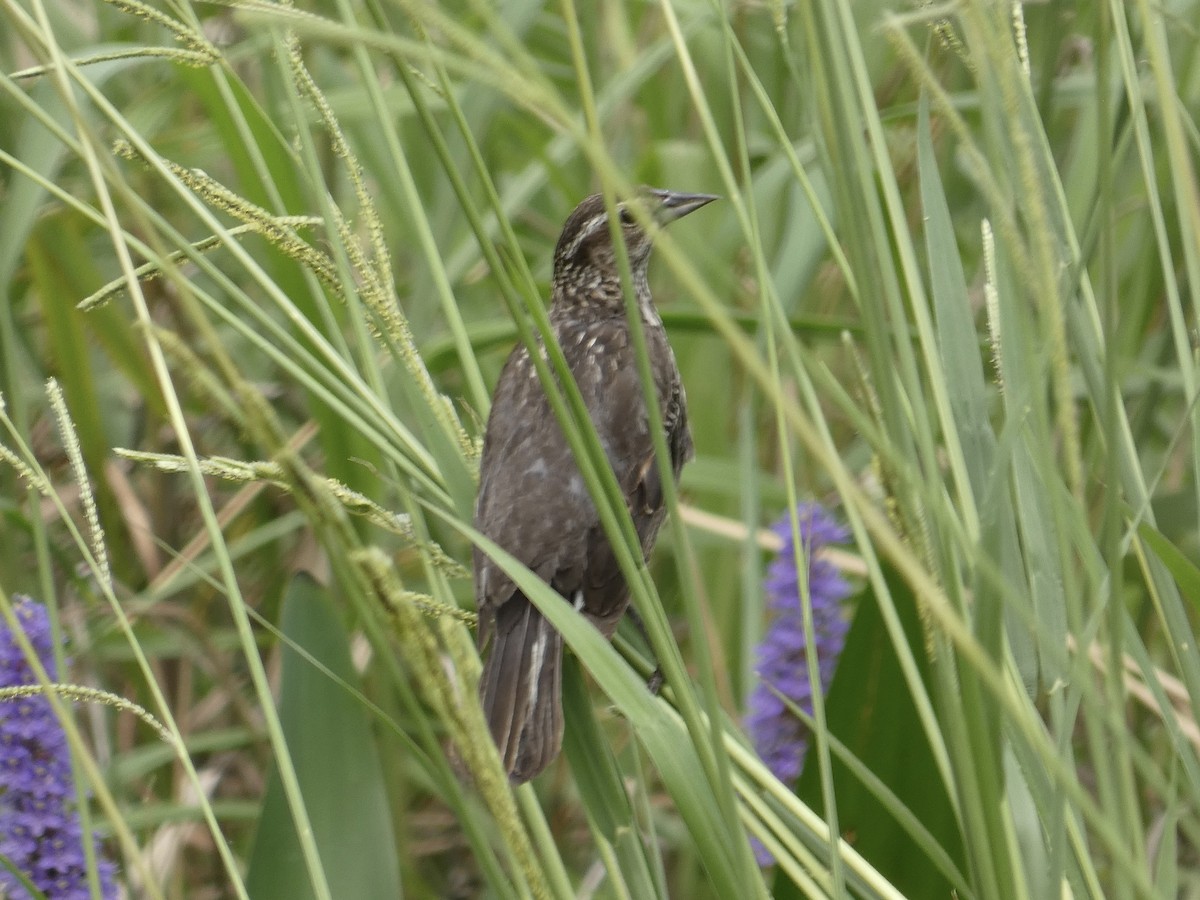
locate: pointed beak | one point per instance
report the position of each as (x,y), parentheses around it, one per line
(673,205)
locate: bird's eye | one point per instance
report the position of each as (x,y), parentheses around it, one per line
(627,217)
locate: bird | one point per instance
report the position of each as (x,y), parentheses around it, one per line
(532,499)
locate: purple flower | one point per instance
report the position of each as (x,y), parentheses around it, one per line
(40,833)
(780,737)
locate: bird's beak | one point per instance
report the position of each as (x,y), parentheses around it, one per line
(673,205)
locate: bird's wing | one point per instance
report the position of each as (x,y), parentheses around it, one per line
(532,499)
(612,390)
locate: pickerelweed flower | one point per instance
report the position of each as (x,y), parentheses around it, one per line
(780,737)
(40,832)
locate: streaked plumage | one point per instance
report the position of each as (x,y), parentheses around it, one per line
(532,499)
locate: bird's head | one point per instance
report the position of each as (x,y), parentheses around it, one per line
(585,249)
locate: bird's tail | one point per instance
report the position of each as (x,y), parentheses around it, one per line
(521,692)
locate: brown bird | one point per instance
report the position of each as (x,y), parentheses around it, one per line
(532,499)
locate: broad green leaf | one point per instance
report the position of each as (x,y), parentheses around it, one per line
(337,764)
(869,710)
(601,787)
(1183,570)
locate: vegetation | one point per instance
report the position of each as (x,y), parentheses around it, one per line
(260,265)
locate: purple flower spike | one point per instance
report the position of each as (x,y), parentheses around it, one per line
(40,833)
(779,736)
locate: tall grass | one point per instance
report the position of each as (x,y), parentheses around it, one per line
(274,256)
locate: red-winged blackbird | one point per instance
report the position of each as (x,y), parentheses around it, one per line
(532,499)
